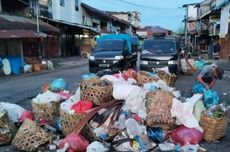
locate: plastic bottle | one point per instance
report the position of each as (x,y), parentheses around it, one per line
(120,124)
(132,128)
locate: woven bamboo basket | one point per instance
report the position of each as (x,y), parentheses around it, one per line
(68,125)
(30,136)
(158,105)
(93,91)
(214,128)
(47,111)
(143,77)
(69,121)
(7,129)
(170,79)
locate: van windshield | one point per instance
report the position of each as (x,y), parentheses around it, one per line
(159,46)
(109,45)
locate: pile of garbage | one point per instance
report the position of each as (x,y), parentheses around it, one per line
(15,65)
(128,111)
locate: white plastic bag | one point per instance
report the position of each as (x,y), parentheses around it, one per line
(14,111)
(184,111)
(132,94)
(96,147)
(46,97)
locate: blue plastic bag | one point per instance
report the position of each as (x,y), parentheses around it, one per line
(156,134)
(198,88)
(211,98)
(16,64)
(88,76)
(58,84)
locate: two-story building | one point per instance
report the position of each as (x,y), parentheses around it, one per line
(212,26)
(22,35)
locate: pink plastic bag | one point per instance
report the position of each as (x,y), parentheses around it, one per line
(130,73)
(184,135)
(76,142)
(82,106)
(26,115)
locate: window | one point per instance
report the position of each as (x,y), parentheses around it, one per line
(62,3)
(76,5)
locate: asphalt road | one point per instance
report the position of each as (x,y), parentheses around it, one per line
(22,88)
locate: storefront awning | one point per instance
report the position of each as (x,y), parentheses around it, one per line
(10,22)
(6,34)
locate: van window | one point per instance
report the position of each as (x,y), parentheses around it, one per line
(109,45)
(160,46)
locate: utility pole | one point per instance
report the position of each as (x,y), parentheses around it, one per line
(38,29)
(37,16)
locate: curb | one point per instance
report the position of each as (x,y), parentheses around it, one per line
(33,74)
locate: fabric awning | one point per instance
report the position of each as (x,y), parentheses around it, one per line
(10,22)
(6,34)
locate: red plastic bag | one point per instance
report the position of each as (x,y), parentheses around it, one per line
(82,106)
(77,143)
(26,115)
(184,135)
(130,73)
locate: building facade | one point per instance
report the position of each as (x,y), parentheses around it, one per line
(212,27)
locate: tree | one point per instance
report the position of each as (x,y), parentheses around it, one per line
(180,30)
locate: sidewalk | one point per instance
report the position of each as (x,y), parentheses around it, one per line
(59,64)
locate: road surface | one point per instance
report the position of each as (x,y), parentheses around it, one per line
(22,88)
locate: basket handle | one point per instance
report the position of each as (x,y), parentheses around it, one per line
(84,120)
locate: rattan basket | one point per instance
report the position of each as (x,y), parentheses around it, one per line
(143,77)
(69,122)
(158,106)
(7,129)
(93,91)
(214,128)
(30,136)
(47,111)
(170,79)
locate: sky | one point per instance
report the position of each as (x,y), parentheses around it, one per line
(165,13)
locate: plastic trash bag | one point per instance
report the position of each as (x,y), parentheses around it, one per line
(15,112)
(82,106)
(132,94)
(167,146)
(96,147)
(184,136)
(76,142)
(156,134)
(198,108)
(199,64)
(211,98)
(58,84)
(16,64)
(88,76)
(198,88)
(184,111)
(26,115)
(130,73)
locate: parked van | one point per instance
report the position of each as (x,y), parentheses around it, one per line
(159,52)
(113,51)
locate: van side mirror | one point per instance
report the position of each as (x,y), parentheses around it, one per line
(125,51)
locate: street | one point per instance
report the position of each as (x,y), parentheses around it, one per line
(20,90)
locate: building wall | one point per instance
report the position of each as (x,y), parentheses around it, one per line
(192,12)
(66,12)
